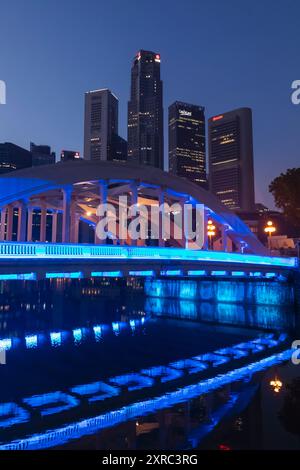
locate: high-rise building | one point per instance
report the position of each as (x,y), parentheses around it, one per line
(69,155)
(231,171)
(100,124)
(42,155)
(13,157)
(145,111)
(187,142)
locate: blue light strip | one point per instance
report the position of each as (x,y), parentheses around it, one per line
(219,273)
(31,341)
(142,273)
(171,272)
(62,435)
(197,272)
(18,277)
(165,374)
(106,274)
(238,273)
(40,402)
(75,275)
(12,250)
(5,344)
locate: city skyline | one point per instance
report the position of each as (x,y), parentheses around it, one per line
(197,75)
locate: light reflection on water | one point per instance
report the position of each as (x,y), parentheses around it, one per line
(104,320)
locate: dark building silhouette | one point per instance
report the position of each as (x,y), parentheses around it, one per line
(119,148)
(13,157)
(69,155)
(41,155)
(231,159)
(145,111)
(187,142)
(101,139)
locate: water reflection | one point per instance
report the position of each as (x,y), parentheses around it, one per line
(148,371)
(258,316)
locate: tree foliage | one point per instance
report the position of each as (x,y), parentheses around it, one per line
(286,192)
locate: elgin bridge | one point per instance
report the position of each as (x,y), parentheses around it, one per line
(48,221)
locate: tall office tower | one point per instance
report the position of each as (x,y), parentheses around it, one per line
(69,155)
(145,111)
(13,157)
(41,155)
(187,142)
(231,171)
(100,124)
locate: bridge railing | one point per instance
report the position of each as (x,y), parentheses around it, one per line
(13,250)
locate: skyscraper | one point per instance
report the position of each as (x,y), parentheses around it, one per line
(145,111)
(100,124)
(187,142)
(231,171)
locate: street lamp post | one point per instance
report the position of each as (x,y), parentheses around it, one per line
(211,232)
(269,229)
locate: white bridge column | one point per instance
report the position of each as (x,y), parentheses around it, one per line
(54,227)
(74,231)
(225,239)
(3,220)
(43,224)
(206,218)
(10,215)
(134,201)
(102,200)
(66,223)
(29,224)
(161,201)
(22,218)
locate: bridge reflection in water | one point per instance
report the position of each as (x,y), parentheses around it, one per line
(114,362)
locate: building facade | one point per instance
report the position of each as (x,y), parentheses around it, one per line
(231,171)
(187,142)
(145,111)
(13,157)
(100,124)
(69,155)
(42,155)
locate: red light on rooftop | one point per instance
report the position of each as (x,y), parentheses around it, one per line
(217,118)
(224,447)
(157,56)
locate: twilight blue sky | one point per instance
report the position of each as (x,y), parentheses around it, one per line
(219,53)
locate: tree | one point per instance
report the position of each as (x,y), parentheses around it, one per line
(286,192)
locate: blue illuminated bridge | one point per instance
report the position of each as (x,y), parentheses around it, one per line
(48,218)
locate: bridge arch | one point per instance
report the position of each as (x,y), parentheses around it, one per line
(71,192)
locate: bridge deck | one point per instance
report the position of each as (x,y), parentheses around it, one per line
(78,260)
